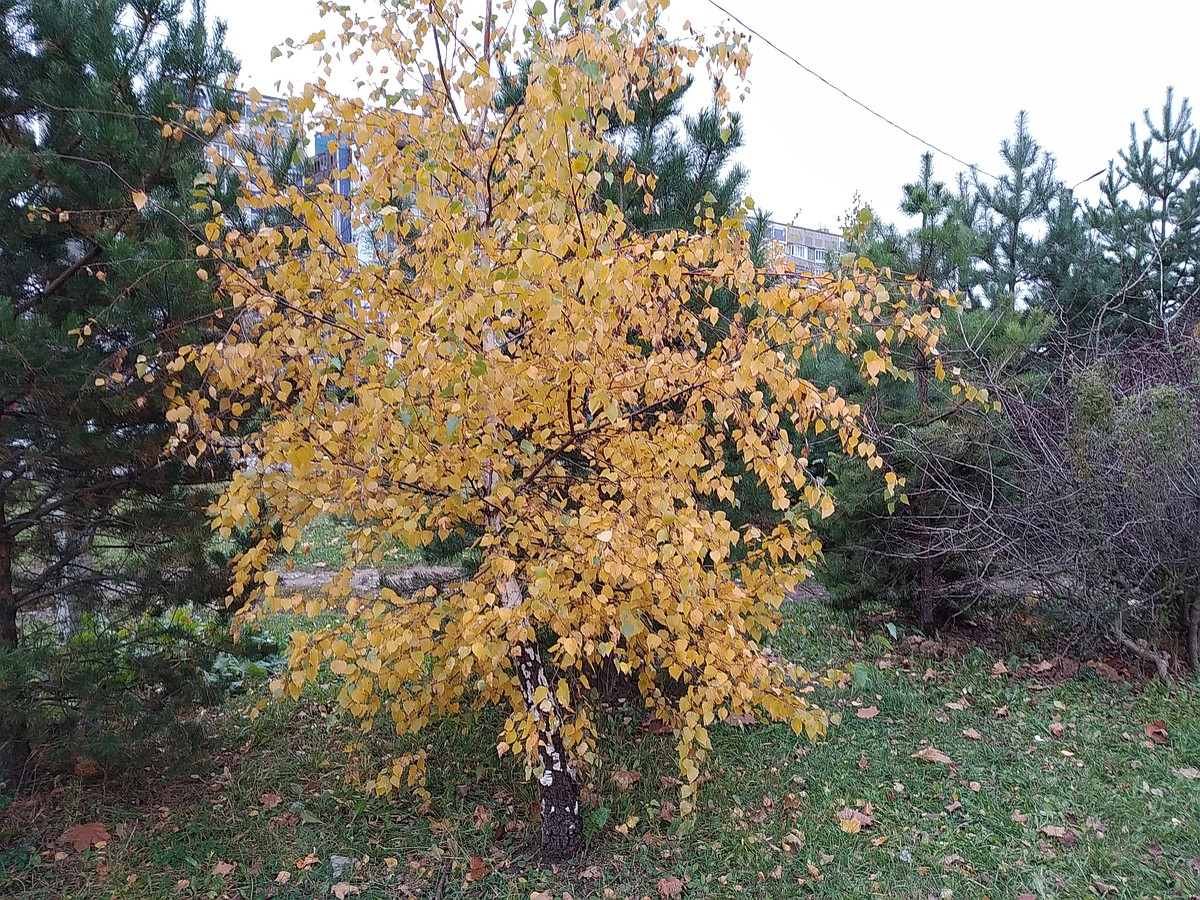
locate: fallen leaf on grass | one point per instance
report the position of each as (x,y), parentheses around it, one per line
(667,811)
(1188,772)
(283,877)
(625,779)
(972,735)
(479,870)
(344,889)
(1157,732)
(953,859)
(862,761)
(307,862)
(669,887)
(481,816)
(83,836)
(270,801)
(223,868)
(999,668)
(1056,729)
(182,884)
(592,872)
(1002,712)
(1019,817)
(286,820)
(868,712)
(1101,888)
(541,895)
(932,755)
(85,768)
(862,818)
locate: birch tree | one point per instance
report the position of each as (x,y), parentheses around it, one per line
(523,362)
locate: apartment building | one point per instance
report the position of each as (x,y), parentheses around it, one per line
(803,250)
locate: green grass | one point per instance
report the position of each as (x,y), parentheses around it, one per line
(324,542)
(767,815)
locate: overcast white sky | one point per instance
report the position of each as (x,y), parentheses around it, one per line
(953,72)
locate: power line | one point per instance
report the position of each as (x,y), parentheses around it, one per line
(854,100)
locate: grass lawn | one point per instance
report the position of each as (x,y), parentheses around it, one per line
(1057,787)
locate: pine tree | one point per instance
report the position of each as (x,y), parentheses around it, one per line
(100,170)
(1148,221)
(918,554)
(1014,213)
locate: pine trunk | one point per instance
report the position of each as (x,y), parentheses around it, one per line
(14,735)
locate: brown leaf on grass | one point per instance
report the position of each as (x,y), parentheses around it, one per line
(1027,896)
(1188,772)
(669,887)
(182,884)
(270,801)
(85,768)
(932,755)
(1067,836)
(1057,730)
(1019,817)
(283,877)
(1101,888)
(657,726)
(863,817)
(285,820)
(669,781)
(1157,732)
(999,668)
(541,895)
(950,861)
(481,816)
(1001,712)
(862,761)
(972,735)
(742,719)
(792,843)
(667,811)
(626,778)
(592,872)
(308,861)
(958,705)
(1041,668)
(344,889)
(868,712)
(478,870)
(83,836)
(223,868)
